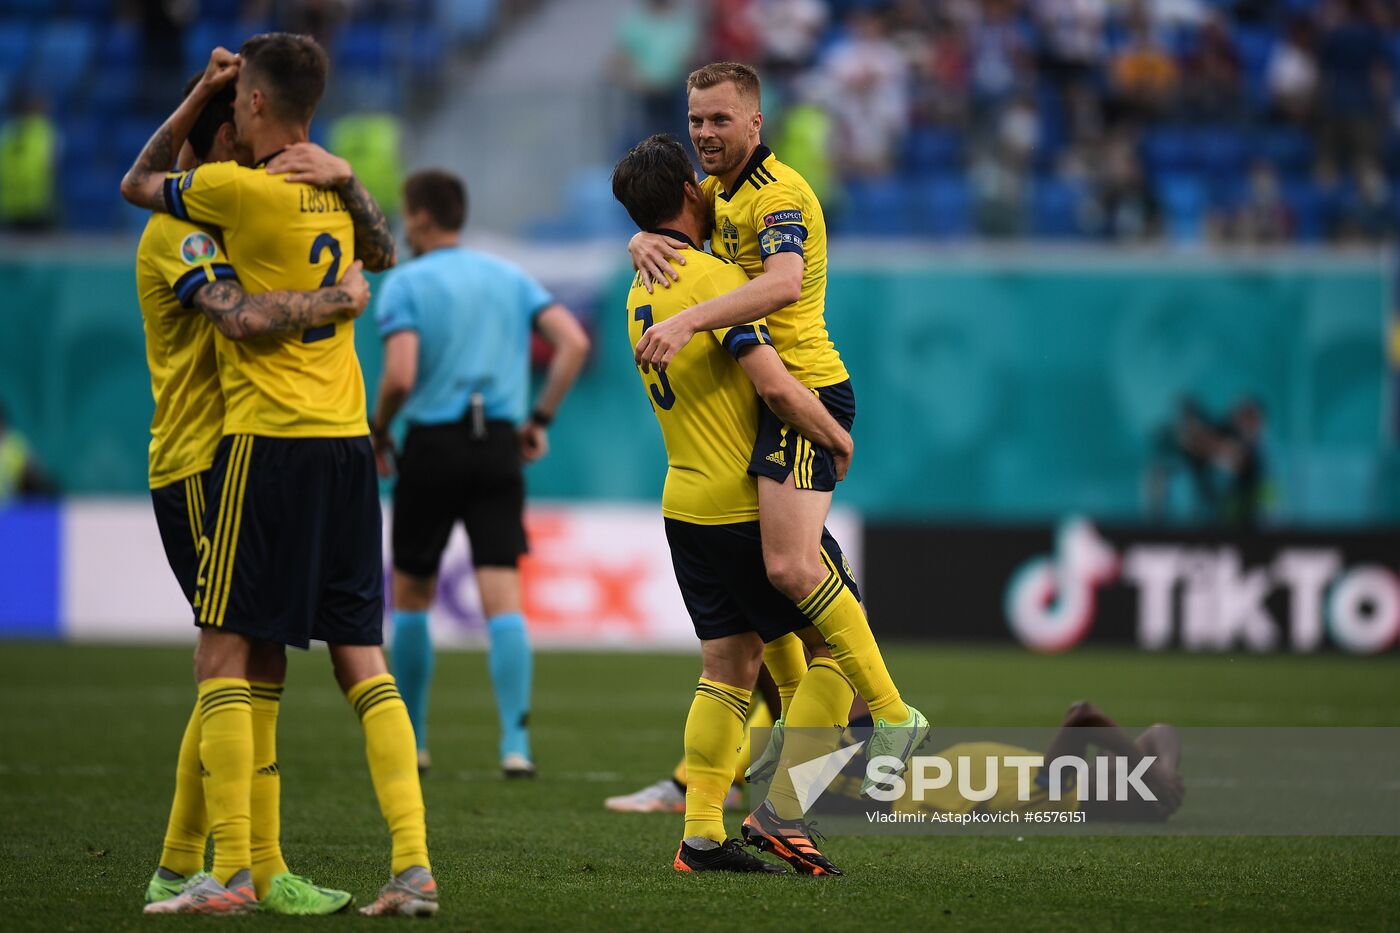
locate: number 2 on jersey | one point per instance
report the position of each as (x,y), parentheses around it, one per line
(322,243)
(661,393)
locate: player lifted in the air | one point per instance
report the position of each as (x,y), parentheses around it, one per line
(768,222)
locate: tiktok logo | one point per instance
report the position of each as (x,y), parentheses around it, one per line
(1050,603)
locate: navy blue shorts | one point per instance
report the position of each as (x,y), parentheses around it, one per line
(292,547)
(779,450)
(179,509)
(724,584)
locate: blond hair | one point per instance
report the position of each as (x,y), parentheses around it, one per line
(744,79)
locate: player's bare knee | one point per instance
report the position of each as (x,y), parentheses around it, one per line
(221,654)
(412,593)
(793,576)
(356,663)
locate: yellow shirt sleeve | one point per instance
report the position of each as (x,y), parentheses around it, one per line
(188,257)
(212,193)
(780,218)
(720,280)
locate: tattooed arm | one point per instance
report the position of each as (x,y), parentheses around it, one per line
(309,163)
(144,184)
(239,315)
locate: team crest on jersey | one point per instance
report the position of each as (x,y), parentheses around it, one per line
(729,236)
(197,248)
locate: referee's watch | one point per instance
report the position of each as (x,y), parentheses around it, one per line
(538,417)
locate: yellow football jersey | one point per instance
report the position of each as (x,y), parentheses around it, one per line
(772,210)
(175,257)
(280,236)
(705,403)
(949,799)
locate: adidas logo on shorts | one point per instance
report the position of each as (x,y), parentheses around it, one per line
(777,457)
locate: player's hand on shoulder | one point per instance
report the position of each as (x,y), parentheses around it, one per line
(651,256)
(309,163)
(222,68)
(534,442)
(660,344)
(356,287)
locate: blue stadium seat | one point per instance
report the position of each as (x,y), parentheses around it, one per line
(931,149)
(1183,198)
(28,8)
(201,39)
(95,11)
(1289,149)
(90,200)
(119,52)
(878,207)
(366,49)
(15,39)
(1055,208)
(225,10)
(1303,200)
(943,207)
(1167,150)
(592,209)
(467,20)
(1222,152)
(427,51)
(61,57)
(1255,44)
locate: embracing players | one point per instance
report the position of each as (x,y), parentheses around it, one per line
(291,543)
(769,223)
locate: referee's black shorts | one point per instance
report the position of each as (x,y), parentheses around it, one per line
(720,572)
(447,475)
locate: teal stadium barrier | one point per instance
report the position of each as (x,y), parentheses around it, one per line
(986,390)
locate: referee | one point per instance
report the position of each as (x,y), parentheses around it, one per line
(456,326)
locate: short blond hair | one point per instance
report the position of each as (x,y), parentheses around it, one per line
(743,77)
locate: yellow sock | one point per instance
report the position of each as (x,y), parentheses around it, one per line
(267,787)
(786,660)
(713,731)
(821,709)
(837,614)
(759,718)
(188,828)
(226,752)
(393,767)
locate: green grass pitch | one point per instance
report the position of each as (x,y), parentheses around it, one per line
(90,734)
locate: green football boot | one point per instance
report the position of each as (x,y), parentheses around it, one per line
(763,767)
(294,895)
(896,739)
(160,889)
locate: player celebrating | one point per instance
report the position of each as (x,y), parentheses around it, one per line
(292,550)
(708,412)
(456,326)
(175,262)
(768,221)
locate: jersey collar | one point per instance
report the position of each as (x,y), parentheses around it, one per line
(262,163)
(750,167)
(675,235)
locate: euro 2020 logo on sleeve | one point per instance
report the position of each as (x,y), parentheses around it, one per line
(198,247)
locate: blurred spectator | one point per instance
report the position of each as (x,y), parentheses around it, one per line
(371,143)
(1144,75)
(1238,453)
(789,31)
(1211,91)
(805,143)
(28,148)
(20,474)
(1223,460)
(1072,51)
(1356,84)
(735,32)
(1292,72)
(864,80)
(942,74)
(1123,207)
(1263,215)
(1000,53)
(656,42)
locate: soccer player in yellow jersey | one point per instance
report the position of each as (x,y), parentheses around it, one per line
(292,540)
(708,411)
(768,221)
(175,261)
